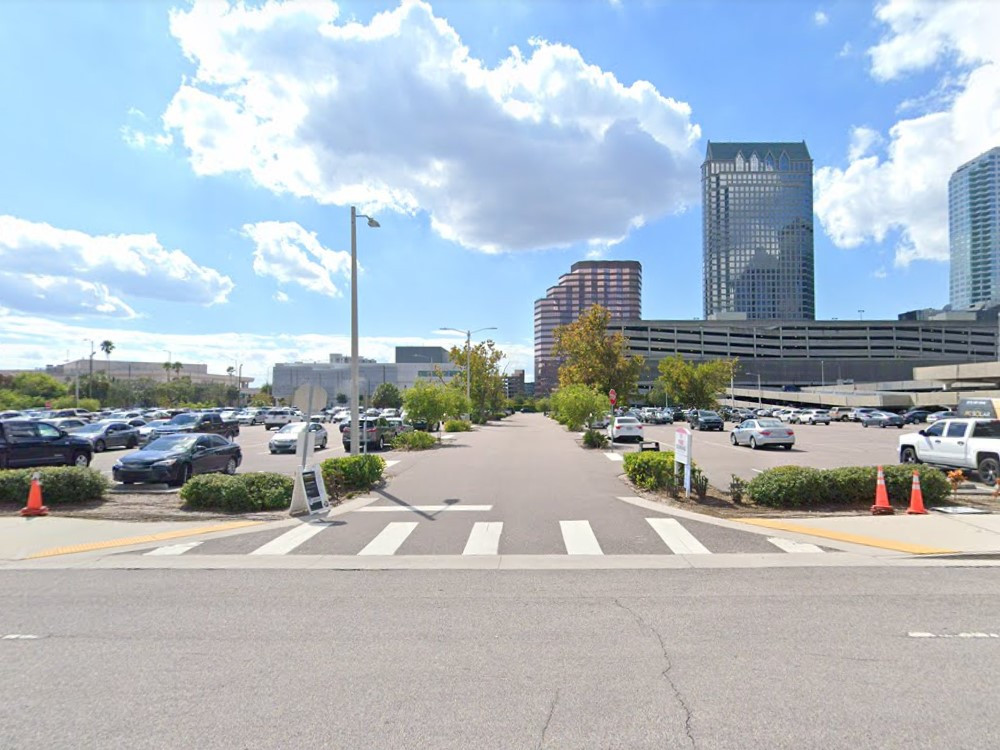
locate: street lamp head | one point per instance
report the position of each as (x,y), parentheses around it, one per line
(372,223)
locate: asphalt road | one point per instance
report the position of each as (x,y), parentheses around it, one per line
(740,659)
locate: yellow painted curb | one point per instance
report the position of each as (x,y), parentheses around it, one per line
(128,541)
(868,541)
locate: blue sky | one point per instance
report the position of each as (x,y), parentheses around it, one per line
(178,177)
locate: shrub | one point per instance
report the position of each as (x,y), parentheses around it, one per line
(934,484)
(651,470)
(241,493)
(457,425)
(737,488)
(699,483)
(595,439)
(60,484)
(787,487)
(351,473)
(413,441)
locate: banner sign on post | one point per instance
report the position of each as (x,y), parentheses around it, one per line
(309,494)
(682,455)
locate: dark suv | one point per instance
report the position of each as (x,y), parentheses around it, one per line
(24,444)
(706,420)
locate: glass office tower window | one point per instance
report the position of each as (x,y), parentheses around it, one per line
(974,231)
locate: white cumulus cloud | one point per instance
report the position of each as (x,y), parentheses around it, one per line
(863,139)
(287,252)
(542,150)
(820,18)
(45,268)
(907,191)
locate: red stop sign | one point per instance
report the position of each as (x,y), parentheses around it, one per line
(613,396)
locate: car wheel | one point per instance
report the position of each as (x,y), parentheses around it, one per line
(899,427)
(753,443)
(732,438)
(99,446)
(908,456)
(81,459)
(989,470)
(865,425)
(231,466)
(132,443)
(882,425)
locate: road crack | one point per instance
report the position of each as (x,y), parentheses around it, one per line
(548,719)
(666,673)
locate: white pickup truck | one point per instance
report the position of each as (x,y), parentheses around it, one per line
(971,444)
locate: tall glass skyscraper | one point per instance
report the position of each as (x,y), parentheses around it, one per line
(974,231)
(614,284)
(757,233)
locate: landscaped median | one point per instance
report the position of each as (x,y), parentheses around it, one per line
(61,485)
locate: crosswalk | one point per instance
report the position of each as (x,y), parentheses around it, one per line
(483,538)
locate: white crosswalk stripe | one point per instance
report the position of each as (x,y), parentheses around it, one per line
(422,508)
(290,539)
(579,538)
(680,540)
(173,549)
(484,539)
(614,456)
(788,545)
(389,539)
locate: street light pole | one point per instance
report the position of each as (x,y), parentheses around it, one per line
(354,324)
(468,358)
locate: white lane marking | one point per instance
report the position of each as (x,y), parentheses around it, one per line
(484,539)
(389,539)
(614,456)
(422,508)
(675,536)
(759,471)
(579,538)
(789,545)
(953,635)
(173,549)
(19,637)
(288,541)
(390,464)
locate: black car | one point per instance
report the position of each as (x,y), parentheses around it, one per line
(174,459)
(706,420)
(24,443)
(913,416)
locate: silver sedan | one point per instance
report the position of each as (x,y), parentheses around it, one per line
(761,432)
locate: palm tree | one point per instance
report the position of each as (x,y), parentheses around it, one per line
(230,371)
(167,366)
(107,347)
(177,367)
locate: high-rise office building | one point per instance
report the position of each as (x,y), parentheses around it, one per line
(614,284)
(757,203)
(974,231)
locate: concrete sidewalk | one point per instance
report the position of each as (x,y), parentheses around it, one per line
(22,538)
(934,533)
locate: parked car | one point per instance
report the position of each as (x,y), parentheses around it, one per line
(625,428)
(174,459)
(279,417)
(811,416)
(600,422)
(374,432)
(203,422)
(112,434)
(931,418)
(147,430)
(707,420)
(841,413)
(859,412)
(762,432)
(25,443)
(881,419)
(67,423)
(286,439)
(953,443)
(398,425)
(915,416)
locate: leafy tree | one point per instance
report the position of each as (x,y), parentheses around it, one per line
(692,384)
(657,396)
(487,391)
(455,402)
(425,402)
(342,398)
(261,400)
(37,384)
(266,388)
(576,405)
(107,347)
(387,396)
(593,357)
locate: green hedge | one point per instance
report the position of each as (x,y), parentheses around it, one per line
(457,425)
(351,473)
(413,441)
(240,493)
(651,470)
(60,484)
(802,487)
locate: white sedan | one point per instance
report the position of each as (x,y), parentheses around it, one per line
(625,428)
(286,439)
(758,433)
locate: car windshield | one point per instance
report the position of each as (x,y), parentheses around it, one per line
(292,428)
(172,443)
(184,419)
(707,414)
(769,423)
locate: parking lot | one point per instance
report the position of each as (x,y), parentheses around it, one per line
(253,440)
(818,446)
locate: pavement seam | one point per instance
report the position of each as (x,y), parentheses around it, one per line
(678,696)
(868,541)
(548,719)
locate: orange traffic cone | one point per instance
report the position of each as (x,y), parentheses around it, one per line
(916,497)
(34,506)
(881,506)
